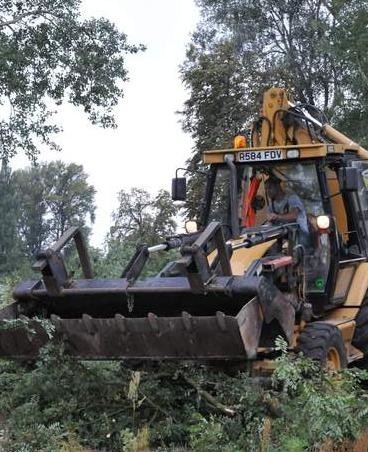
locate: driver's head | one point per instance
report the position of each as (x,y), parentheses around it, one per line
(273,187)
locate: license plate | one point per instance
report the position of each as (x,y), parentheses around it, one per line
(260,156)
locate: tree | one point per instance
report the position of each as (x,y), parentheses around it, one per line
(50,55)
(53,197)
(241,48)
(350,49)
(69,197)
(112,262)
(141,218)
(10,245)
(32,226)
(217,107)
(289,41)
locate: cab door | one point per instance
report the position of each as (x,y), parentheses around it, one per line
(360,204)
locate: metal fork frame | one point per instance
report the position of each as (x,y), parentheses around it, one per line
(52,266)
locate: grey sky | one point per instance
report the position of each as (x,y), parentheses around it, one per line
(149,143)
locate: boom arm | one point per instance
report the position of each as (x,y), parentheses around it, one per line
(337,137)
(284,123)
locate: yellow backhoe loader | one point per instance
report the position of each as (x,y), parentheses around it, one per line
(248,274)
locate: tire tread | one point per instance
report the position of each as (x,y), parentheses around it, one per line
(317,337)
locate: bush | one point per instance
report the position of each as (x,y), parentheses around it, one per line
(63,405)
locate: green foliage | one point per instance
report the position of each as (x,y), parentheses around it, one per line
(54,196)
(208,434)
(49,55)
(350,43)
(9,280)
(141,218)
(317,404)
(51,198)
(37,206)
(11,248)
(218,105)
(291,371)
(126,403)
(241,48)
(59,404)
(6,285)
(112,263)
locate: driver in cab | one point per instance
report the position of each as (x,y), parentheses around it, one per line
(286,208)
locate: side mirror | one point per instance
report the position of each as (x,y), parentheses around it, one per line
(348,178)
(179,189)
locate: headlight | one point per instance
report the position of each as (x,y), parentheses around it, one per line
(323,222)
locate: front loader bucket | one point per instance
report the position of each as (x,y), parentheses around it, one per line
(204,314)
(150,338)
(103,319)
(116,322)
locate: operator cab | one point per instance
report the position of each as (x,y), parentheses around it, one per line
(253,205)
(330,180)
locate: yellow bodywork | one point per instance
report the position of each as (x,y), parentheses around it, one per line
(274,136)
(243,257)
(356,294)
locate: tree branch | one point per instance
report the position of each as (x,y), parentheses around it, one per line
(19,17)
(210,399)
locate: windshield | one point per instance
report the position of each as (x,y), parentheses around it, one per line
(253,202)
(298,200)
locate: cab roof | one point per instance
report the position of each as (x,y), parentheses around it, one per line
(275,153)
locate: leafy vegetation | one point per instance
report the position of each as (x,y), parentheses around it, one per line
(52,197)
(143,218)
(50,55)
(140,218)
(313,48)
(10,249)
(61,404)
(39,204)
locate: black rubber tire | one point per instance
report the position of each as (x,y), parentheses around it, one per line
(360,338)
(316,341)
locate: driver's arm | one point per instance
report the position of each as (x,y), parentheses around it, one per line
(292,215)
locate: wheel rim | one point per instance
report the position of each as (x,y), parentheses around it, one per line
(333,361)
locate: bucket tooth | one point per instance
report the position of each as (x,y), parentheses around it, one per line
(121,323)
(153,321)
(187,321)
(88,323)
(221,321)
